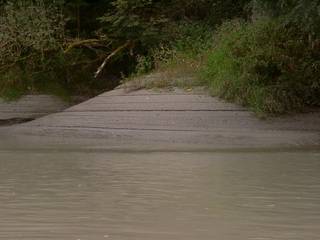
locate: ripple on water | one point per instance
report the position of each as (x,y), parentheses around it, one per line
(233,196)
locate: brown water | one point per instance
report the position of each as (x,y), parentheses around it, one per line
(159,196)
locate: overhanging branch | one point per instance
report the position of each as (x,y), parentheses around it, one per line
(113,53)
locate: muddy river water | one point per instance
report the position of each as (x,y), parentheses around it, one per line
(83,195)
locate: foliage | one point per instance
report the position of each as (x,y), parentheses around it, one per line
(60,44)
(277,77)
(82,17)
(32,55)
(29,32)
(175,63)
(189,43)
(18,35)
(218,11)
(149,22)
(302,13)
(139,21)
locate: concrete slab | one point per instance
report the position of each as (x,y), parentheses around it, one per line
(168,120)
(31,106)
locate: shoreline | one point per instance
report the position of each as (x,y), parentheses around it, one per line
(145,119)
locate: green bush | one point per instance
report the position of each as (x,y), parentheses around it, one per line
(149,23)
(29,27)
(192,38)
(30,31)
(32,56)
(305,14)
(265,65)
(189,42)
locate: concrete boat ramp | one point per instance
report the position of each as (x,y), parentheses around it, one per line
(162,120)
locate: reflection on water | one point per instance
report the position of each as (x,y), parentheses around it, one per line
(159,196)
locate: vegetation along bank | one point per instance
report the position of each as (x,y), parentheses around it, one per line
(262,54)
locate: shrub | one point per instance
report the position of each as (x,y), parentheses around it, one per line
(29,32)
(265,65)
(305,14)
(175,61)
(32,56)
(29,27)
(149,23)
(189,43)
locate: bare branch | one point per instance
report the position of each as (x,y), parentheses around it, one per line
(116,51)
(80,43)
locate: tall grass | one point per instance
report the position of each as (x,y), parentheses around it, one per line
(178,60)
(265,65)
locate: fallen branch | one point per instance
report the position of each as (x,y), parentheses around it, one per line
(119,49)
(80,43)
